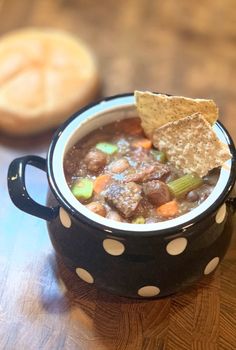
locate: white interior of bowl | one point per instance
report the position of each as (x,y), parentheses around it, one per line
(103,113)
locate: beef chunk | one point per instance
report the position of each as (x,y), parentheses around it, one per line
(95,160)
(155,171)
(124,197)
(157,192)
(144,208)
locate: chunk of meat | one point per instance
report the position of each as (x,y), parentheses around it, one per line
(151,172)
(144,208)
(157,192)
(124,197)
(119,165)
(97,208)
(95,160)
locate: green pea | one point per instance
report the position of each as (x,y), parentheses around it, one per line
(82,189)
(139,220)
(107,147)
(159,156)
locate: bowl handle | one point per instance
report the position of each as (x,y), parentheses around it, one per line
(18,192)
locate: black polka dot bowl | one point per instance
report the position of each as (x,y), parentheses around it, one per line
(138,261)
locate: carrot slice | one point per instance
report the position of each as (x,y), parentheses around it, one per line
(100,183)
(168,209)
(144,143)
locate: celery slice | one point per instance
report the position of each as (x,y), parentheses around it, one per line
(180,187)
(139,220)
(107,147)
(82,189)
(159,156)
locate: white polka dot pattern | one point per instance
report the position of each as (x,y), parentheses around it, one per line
(148,291)
(211,266)
(113,247)
(220,216)
(65,218)
(176,246)
(84,275)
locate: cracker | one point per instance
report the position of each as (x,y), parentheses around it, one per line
(191,145)
(156,110)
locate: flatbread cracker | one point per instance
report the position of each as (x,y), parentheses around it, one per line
(156,110)
(191,145)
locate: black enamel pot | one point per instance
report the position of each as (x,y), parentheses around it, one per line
(131,260)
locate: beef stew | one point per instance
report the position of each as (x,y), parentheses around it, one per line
(116,173)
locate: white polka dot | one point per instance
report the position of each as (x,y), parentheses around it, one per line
(148,291)
(84,275)
(176,246)
(64,217)
(113,247)
(211,265)
(221,214)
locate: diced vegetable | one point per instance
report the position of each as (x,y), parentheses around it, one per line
(180,187)
(139,220)
(82,189)
(107,147)
(159,156)
(168,210)
(100,183)
(144,143)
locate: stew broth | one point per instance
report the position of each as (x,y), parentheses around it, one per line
(117,174)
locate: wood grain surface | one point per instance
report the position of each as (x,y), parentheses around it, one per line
(180,47)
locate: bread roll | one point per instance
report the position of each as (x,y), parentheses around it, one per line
(45,76)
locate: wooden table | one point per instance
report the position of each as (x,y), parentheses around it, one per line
(176,47)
